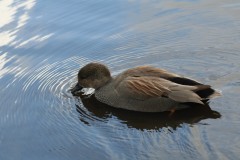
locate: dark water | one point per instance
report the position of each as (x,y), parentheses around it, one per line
(44,43)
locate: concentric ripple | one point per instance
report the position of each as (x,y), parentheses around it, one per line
(43,45)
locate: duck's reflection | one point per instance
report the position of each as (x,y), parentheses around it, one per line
(148,121)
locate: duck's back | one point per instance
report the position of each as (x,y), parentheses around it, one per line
(150,71)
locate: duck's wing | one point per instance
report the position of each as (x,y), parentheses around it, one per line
(146,87)
(150,71)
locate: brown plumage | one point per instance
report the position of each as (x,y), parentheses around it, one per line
(144,88)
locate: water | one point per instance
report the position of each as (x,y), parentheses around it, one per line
(43,45)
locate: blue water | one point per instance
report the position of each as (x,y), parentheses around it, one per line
(43,45)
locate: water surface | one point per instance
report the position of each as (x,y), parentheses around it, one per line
(43,45)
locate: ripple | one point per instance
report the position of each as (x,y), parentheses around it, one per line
(44,92)
(43,46)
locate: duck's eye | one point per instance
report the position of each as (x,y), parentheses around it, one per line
(83,76)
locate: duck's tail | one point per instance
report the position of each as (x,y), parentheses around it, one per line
(206,92)
(203,91)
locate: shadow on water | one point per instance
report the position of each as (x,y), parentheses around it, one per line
(147,121)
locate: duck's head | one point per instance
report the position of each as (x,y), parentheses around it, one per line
(92,75)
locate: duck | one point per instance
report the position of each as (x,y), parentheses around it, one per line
(143,88)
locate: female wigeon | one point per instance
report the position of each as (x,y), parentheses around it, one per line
(143,88)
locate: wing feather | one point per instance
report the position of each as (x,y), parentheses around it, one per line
(153,87)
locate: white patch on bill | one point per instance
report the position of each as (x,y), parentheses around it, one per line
(88,91)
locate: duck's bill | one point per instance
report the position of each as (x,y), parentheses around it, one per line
(88,91)
(76,90)
(79,90)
